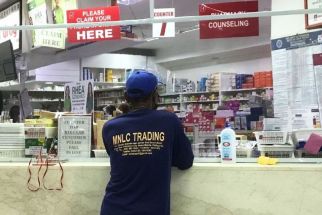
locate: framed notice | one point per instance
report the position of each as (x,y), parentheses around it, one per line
(313,20)
(74,136)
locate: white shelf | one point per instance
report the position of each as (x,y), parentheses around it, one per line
(106,84)
(245,90)
(40,86)
(30,85)
(210,101)
(188,93)
(110,97)
(45,91)
(241,99)
(187,102)
(40,101)
(169,103)
(177,111)
(101,104)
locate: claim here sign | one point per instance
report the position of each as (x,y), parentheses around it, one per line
(89,34)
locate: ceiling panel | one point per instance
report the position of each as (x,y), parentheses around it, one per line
(5,3)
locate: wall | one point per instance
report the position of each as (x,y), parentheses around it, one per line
(115,61)
(283,26)
(120,61)
(249,66)
(64,72)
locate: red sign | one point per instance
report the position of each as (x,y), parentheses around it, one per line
(317,59)
(229,27)
(102,14)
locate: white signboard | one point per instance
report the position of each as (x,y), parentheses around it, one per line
(164,29)
(10,17)
(55,38)
(79,97)
(74,136)
(314,19)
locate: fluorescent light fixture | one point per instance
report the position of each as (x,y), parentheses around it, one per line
(128,2)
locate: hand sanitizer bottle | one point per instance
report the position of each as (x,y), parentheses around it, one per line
(228,144)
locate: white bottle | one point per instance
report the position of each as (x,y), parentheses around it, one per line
(228,145)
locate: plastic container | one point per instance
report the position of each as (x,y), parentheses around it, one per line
(99,153)
(12,153)
(228,145)
(277,151)
(301,153)
(205,150)
(271,137)
(304,134)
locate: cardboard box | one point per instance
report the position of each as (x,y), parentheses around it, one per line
(40,122)
(237,123)
(100,143)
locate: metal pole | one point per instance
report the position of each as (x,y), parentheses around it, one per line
(151,8)
(162,20)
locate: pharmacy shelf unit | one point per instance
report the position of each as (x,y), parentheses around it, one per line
(222,96)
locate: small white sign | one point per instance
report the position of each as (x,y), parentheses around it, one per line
(74,137)
(166,29)
(79,97)
(10,17)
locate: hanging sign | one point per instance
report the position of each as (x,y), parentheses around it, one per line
(38,12)
(74,136)
(166,29)
(79,97)
(10,17)
(229,27)
(102,14)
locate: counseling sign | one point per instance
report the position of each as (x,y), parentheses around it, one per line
(74,136)
(229,27)
(102,14)
(79,97)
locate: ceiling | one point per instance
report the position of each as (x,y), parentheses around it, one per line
(185,50)
(4,3)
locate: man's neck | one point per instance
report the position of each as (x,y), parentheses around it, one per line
(141,106)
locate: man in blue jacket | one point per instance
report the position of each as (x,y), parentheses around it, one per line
(143,145)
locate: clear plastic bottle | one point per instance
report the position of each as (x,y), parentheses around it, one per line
(228,144)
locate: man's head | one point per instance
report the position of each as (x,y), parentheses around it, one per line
(141,89)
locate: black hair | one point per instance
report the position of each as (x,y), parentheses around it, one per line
(143,101)
(14,113)
(124,107)
(90,88)
(110,109)
(67,89)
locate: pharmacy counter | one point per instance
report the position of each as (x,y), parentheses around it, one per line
(205,189)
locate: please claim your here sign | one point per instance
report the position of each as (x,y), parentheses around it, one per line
(89,34)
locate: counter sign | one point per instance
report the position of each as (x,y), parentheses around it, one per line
(166,29)
(103,14)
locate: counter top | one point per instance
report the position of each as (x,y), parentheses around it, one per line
(206,188)
(286,164)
